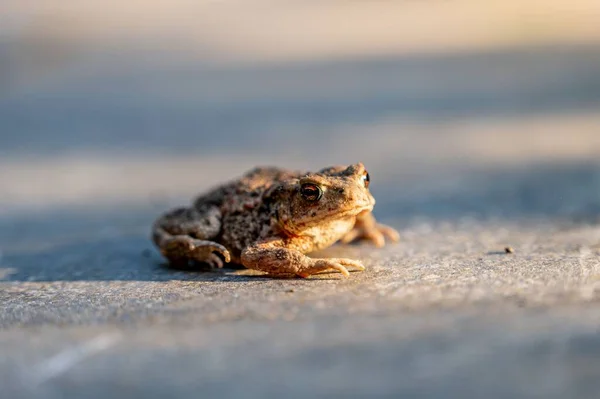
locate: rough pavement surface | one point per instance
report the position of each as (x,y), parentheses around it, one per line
(446,312)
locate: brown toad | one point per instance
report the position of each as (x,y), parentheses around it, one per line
(268,219)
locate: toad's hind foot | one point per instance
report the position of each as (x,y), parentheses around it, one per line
(180,249)
(339,264)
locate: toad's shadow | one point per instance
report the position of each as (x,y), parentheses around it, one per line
(124,259)
(131,258)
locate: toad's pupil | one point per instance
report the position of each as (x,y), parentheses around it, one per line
(366,179)
(311,192)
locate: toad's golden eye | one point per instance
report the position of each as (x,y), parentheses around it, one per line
(311,192)
(366,179)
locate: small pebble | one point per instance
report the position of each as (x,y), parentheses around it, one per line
(509,250)
(290,290)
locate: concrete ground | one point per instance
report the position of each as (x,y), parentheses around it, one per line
(485,145)
(444,313)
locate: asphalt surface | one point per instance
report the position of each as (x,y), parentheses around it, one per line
(90,310)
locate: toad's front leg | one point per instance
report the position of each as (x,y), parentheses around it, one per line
(367,228)
(275,258)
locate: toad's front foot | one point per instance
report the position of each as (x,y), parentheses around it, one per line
(341,265)
(271,257)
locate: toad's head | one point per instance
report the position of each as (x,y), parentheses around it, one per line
(334,193)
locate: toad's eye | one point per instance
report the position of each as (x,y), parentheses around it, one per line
(366,179)
(311,192)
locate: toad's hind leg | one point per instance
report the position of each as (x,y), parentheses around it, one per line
(184,234)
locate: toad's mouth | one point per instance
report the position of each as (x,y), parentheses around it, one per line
(340,213)
(295,227)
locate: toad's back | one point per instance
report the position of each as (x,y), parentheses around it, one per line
(246,213)
(252,185)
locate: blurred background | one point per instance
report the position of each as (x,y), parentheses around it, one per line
(112,111)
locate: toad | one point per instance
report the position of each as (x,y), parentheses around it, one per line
(270,218)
